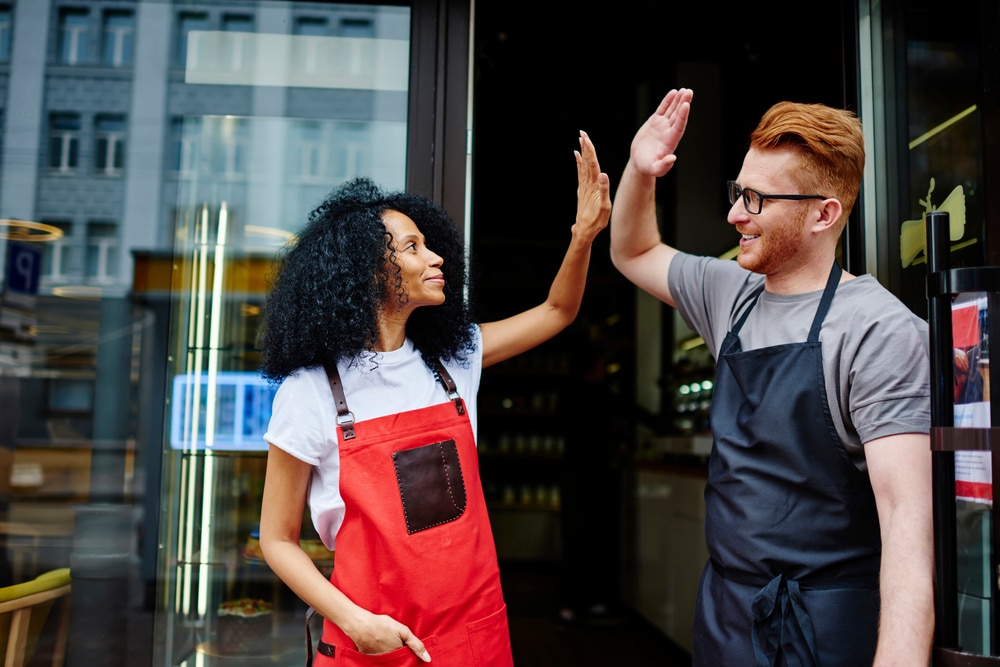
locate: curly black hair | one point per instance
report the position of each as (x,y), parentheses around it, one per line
(330,282)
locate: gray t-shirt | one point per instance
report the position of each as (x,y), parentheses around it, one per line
(876,359)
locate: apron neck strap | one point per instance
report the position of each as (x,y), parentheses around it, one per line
(345,418)
(442,375)
(824,303)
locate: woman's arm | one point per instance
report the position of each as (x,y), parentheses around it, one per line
(509,337)
(285,484)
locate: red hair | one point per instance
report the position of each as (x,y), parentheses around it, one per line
(829,143)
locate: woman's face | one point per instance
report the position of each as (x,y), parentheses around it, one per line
(419,267)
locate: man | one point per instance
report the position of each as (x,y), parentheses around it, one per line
(818,501)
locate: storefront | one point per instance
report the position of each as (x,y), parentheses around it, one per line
(155,155)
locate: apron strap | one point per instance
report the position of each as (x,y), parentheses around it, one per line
(323,648)
(449,385)
(778,613)
(746,313)
(345,418)
(824,303)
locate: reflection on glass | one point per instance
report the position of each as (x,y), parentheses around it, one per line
(973,473)
(176,147)
(241,180)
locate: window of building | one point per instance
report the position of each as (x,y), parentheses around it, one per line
(356,27)
(230,139)
(64,142)
(308,151)
(74,35)
(117,38)
(101,256)
(186,141)
(109,144)
(351,150)
(241,27)
(188,22)
(57,255)
(5,33)
(306,51)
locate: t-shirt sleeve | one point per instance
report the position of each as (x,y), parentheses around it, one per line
(705,290)
(890,378)
(298,420)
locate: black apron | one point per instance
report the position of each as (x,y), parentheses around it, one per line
(791,524)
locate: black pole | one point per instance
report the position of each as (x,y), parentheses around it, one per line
(942,414)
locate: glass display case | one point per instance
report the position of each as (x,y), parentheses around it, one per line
(222,602)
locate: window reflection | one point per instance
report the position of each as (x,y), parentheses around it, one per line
(64,142)
(74,35)
(5,33)
(111,137)
(117,38)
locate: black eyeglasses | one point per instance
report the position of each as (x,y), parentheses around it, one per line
(753,200)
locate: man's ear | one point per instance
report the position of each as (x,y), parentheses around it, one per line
(828,215)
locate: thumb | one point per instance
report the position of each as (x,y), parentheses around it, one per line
(416,646)
(663,165)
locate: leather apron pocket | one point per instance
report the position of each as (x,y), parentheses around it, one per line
(431,485)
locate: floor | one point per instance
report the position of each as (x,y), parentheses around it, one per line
(540,640)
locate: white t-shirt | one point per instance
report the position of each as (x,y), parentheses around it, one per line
(303,417)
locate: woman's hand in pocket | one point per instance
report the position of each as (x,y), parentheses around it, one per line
(378,633)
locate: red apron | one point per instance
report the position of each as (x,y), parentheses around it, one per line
(416,542)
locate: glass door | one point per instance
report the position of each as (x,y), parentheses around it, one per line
(268,108)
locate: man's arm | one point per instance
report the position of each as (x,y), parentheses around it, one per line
(636,247)
(900,470)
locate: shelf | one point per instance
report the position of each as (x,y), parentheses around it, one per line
(520,507)
(519,457)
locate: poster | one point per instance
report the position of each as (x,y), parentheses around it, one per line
(970,340)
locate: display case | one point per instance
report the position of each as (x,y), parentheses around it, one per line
(220,604)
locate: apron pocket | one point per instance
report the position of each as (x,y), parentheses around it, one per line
(400,657)
(490,640)
(430,485)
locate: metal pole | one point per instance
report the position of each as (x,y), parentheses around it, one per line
(942,414)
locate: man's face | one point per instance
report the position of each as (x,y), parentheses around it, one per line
(772,239)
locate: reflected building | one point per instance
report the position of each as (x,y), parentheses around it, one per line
(154,156)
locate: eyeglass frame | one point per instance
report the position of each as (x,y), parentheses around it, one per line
(739,190)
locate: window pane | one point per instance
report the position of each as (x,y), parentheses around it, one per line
(101,257)
(74,31)
(237,23)
(188,21)
(307,25)
(55,255)
(118,38)
(109,143)
(357,28)
(5,33)
(64,138)
(186,140)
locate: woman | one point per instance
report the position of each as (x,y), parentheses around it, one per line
(373,425)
